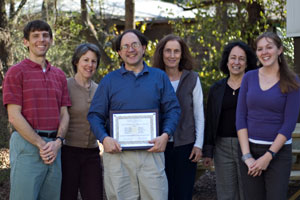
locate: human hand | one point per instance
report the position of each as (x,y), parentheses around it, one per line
(249,163)
(196,154)
(207,162)
(110,145)
(260,164)
(49,151)
(160,143)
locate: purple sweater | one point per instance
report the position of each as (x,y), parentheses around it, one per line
(266,113)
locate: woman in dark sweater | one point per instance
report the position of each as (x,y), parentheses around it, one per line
(184,149)
(220,132)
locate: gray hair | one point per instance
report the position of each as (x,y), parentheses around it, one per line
(81,50)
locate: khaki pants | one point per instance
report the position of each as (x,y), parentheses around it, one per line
(134,175)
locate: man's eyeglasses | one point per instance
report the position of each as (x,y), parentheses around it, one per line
(134,45)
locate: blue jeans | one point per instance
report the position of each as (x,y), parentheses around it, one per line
(30,178)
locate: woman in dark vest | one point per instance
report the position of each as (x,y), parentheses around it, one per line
(184,149)
(221,142)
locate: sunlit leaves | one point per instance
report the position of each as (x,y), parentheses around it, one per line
(214,26)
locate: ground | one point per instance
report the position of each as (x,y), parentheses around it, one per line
(4,174)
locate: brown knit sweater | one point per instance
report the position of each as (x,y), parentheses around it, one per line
(79,133)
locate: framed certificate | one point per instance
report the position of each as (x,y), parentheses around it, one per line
(134,129)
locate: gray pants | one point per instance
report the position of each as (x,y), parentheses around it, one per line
(228,176)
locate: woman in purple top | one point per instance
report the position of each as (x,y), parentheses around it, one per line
(267,111)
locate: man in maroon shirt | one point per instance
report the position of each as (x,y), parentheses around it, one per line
(36,97)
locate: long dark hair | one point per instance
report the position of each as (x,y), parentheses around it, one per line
(250,56)
(186,62)
(288,80)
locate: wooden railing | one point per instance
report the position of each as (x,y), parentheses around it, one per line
(295,173)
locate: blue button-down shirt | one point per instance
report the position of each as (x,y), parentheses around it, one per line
(123,90)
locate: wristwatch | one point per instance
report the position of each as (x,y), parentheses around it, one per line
(272,153)
(246,156)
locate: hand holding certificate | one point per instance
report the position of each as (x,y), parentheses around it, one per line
(134,129)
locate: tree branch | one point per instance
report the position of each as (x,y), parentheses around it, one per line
(14,14)
(91,33)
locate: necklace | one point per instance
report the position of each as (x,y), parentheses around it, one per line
(233,92)
(233,85)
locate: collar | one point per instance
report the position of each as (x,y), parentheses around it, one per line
(32,64)
(145,69)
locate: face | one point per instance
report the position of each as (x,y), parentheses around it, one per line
(267,52)
(39,42)
(172,54)
(237,61)
(86,65)
(131,50)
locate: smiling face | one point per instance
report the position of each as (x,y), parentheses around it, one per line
(86,65)
(133,54)
(172,54)
(267,52)
(38,44)
(237,61)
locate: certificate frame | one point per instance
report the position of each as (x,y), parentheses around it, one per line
(133,129)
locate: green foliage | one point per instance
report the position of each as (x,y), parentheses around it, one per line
(215,25)
(208,78)
(211,29)
(288,43)
(68,34)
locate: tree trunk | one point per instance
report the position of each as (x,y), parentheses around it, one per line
(254,10)
(129,14)
(5,42)
(4,54)
(91,34)
(6,59)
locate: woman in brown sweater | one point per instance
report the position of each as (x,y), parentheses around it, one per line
(81,164)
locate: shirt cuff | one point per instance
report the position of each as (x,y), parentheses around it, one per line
(167,131)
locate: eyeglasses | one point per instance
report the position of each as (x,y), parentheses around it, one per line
(134,45)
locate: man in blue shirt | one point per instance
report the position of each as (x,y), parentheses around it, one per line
(135,174)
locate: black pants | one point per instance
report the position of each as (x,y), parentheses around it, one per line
(180,171)
(272,184)
(81,169)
